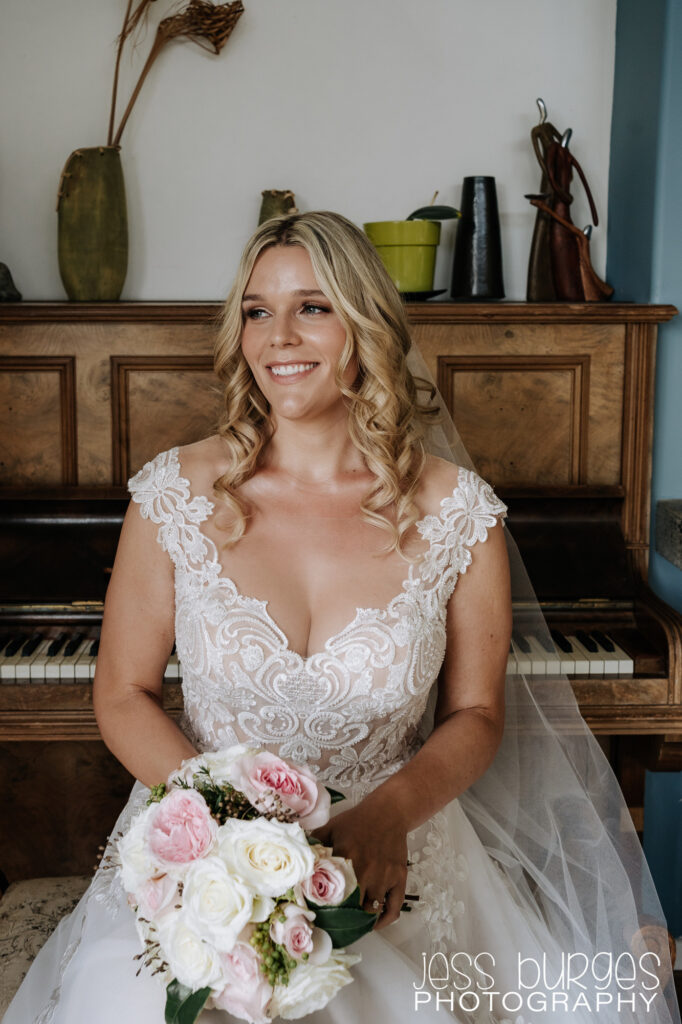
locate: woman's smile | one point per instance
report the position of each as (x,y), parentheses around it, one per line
(290,373)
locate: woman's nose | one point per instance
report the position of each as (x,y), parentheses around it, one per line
(283,330)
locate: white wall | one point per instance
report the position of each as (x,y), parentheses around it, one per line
(361,106)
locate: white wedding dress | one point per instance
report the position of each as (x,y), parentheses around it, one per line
(354,712)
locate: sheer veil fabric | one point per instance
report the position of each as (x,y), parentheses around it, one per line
(551,814)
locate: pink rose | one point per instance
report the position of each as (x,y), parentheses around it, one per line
(332,880)
(182,828)
(247,992)
(156,895)
(297,934)
(259,776)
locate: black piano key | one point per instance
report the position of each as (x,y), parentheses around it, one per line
(603,640)
(73,644)
(587,641)
(4,639)
(521,642)
(561,641)
(94,649)
(30,645)
(56,645)
(14,645)
(545,643)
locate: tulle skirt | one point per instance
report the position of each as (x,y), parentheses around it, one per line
(474,950)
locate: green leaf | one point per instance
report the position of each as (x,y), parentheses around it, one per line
(183,1006)
(435,213)
(335,795)
(344,924)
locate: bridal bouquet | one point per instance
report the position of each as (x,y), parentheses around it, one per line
(236,906)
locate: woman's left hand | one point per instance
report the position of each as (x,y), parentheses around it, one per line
(373,837)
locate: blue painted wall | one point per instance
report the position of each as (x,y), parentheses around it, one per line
(645,264)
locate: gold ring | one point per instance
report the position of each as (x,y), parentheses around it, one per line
(378,903)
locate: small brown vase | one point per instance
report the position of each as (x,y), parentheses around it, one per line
(93,225)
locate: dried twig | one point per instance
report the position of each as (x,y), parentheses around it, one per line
(205,23)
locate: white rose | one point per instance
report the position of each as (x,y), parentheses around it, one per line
(138,864)
(220,762)
(216,904)
(192,960)
(311,986)
(270,856)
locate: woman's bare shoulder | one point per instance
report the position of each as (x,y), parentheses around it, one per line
(438,480)
(202,462)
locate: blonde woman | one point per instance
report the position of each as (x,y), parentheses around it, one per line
(323,576)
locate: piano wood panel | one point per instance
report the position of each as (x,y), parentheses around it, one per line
(501,402)
(37,420)
(59,802)
(157,397)
(596,350)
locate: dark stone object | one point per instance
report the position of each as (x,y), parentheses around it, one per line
(8,290)
(669,531)
(477,269)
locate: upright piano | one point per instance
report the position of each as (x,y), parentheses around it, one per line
(555,404)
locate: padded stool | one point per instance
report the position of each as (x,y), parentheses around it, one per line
(29,912)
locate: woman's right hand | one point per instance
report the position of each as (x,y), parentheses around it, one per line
(373,837)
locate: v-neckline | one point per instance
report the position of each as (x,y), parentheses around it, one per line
(211,558)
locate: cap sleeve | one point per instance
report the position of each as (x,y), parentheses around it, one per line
(164,498)
(464,519)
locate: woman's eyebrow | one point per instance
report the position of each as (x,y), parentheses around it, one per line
(252,297)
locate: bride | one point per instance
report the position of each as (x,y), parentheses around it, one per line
(342,596)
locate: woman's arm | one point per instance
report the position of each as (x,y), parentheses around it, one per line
(137,638)
(468,730)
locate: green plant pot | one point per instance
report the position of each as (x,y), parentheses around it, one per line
(408,251)
(93,225)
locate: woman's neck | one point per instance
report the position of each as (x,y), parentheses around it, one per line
(313,453)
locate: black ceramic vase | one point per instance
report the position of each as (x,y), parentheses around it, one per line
(477,269)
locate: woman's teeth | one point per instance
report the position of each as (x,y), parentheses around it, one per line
(291,368)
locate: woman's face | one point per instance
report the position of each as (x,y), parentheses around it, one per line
(292,339)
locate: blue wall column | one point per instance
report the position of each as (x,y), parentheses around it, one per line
(645,265)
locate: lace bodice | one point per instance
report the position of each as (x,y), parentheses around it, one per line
(352,710)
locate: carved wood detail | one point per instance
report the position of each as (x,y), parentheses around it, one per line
(42,443)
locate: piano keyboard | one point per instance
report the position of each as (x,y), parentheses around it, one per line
(72,657)
(592,654)
(65,658)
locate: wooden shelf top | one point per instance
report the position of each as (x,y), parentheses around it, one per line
(418,312)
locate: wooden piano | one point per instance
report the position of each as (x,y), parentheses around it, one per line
(555,404)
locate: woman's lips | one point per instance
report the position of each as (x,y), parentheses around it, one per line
(288,373)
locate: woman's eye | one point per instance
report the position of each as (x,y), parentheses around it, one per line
(314,307)
(254,314)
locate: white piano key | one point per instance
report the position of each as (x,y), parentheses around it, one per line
(173,667)
(623,664)
(84,668)
(67,666)
(9,663)
(538,656)
(523,660)
(30,669)
(552,660)
(610,658)
(566,658)
(38,663)
(591,664)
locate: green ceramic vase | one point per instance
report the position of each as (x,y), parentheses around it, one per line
(93,225)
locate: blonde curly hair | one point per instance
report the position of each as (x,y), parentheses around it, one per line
(386,420)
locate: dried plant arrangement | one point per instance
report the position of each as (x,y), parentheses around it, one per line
(205,23)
